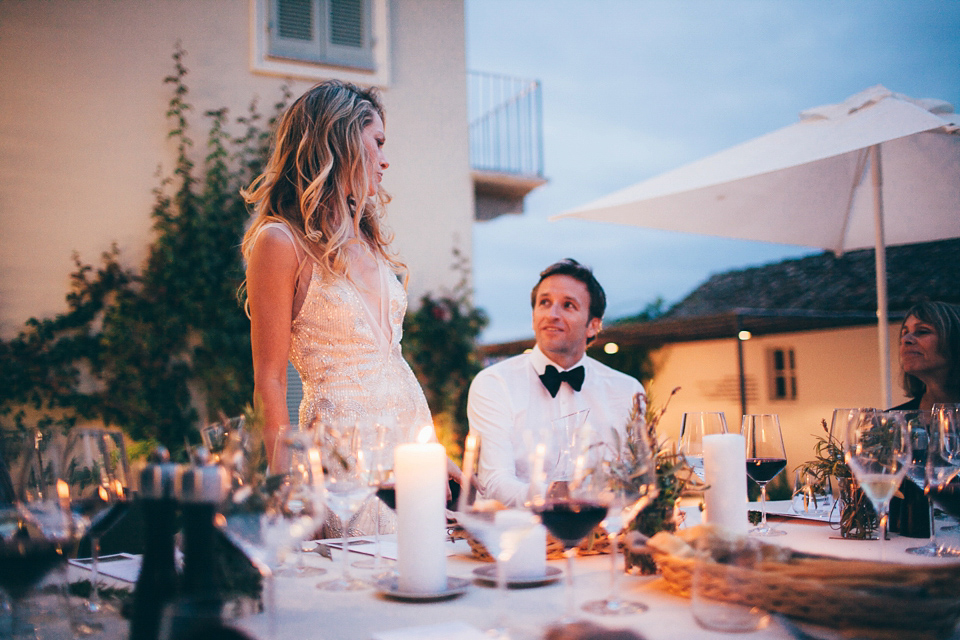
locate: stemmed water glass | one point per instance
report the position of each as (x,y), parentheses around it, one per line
(630,475)
(573,499)
(37,528)
(96,470)
(501,531)
(877,450)
(766,457)
(693,427)
(350,458)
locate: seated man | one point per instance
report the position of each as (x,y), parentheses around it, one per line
(555,379)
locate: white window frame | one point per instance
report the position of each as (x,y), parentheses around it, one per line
(263,62)
(788,373)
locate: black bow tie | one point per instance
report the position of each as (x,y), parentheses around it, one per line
(552,378)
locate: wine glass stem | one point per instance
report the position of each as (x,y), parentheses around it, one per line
(94,600)
(763,507)
(882,530)
(613,599)
(933,529)
(345,562)
(571,605)
(377,557)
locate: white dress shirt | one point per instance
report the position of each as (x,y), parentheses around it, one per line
(507,398)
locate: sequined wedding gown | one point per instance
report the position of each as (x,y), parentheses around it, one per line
(348,357)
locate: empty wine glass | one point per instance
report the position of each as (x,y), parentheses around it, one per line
(350,457)
(877,450)
(766,457)
(573,499)
(501,531)
(630,473)
(299,499)
(920,435)
(693,427)
(96,470)
(943,461)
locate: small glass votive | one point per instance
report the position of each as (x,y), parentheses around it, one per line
(723,574)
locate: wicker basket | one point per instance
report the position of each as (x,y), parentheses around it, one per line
(876,600)
(598,542)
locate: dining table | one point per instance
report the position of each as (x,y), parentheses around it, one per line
(298,610)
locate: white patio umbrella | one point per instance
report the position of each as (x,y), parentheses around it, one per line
(878,169)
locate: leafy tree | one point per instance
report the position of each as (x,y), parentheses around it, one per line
(142,350)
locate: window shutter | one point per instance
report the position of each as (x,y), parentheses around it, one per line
(295,29)
(349,40)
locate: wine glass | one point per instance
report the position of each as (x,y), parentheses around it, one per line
(921,425)
(350,457)
(693,427)
(266,513)
(573,499)
(500,530)
(877,450)
(37,528)
(96,470)
(630,473)
(386,493)
(766,457)
(299,499)
(943,461)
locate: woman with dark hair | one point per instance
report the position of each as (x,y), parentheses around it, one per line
(930,359)
(930,355)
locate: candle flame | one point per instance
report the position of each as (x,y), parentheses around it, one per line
(220,520)
(63,490)
(423,436)
(104,494)
(118,488)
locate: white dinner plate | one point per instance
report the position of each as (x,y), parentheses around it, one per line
(390,587)
(488,574)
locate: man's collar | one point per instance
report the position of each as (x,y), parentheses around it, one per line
(540,361)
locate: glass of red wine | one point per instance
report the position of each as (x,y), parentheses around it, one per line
(37,528)
(943,459)
(572,499)
(766,457)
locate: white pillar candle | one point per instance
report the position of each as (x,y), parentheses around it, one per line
(421,484)
(725,472)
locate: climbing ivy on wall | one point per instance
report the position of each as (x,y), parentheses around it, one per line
(143,349)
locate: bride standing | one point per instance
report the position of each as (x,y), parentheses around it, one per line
(323,288)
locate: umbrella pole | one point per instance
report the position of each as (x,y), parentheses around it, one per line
(883,325)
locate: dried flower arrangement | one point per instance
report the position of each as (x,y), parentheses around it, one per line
(857,517)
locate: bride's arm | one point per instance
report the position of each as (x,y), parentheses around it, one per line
(271,274)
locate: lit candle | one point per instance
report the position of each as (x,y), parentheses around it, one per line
(725,472)
(420,470)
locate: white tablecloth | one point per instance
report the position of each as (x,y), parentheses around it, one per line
(306,613)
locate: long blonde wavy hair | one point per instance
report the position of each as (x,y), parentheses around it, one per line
(317,180)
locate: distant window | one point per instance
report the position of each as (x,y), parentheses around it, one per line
(782,374)
(334,32)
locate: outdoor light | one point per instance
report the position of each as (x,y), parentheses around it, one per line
(611,347)
(744,335)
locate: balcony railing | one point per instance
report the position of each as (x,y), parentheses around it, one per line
(506,129)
